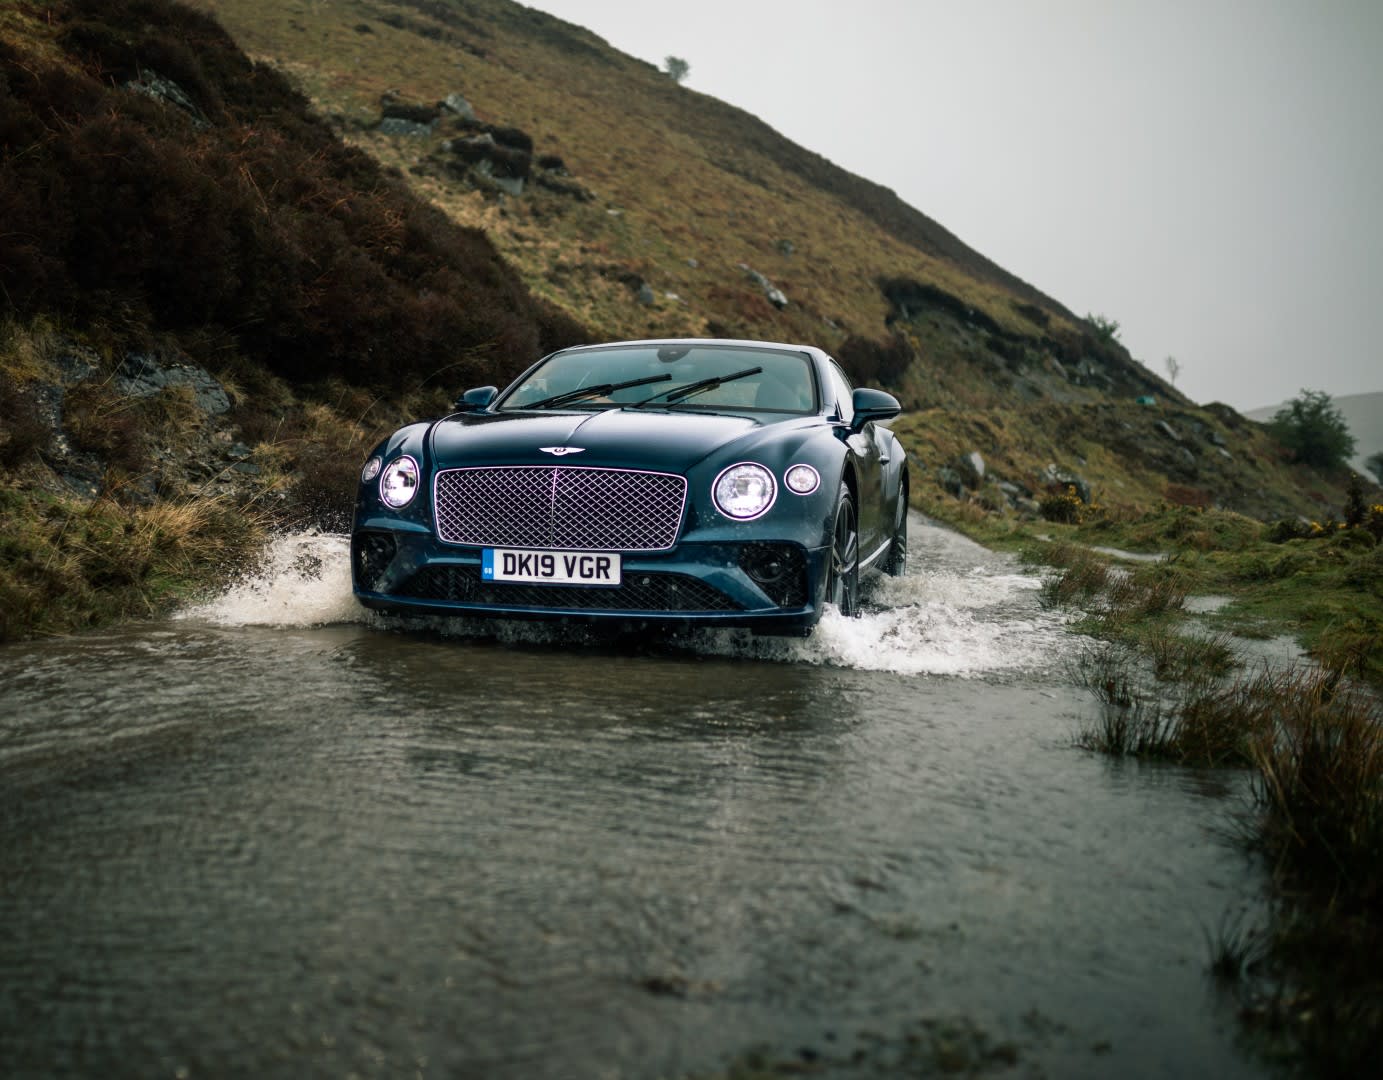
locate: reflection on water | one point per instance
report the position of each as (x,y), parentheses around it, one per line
(258,846)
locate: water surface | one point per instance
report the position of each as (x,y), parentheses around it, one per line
(278,837)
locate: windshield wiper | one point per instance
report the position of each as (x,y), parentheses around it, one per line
(569,396)
(677,393)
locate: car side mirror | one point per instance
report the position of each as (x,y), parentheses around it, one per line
(477,399)
(872,405)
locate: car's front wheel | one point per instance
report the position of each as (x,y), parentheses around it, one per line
(843,585)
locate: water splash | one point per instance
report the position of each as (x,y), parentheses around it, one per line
(304,580)
(963,611)
(941,622)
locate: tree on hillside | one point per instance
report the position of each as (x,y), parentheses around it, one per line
(1313,429)
(676,68)
(1374,463)
(1107,330)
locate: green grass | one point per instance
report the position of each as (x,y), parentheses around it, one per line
(1311,737)
(67,565)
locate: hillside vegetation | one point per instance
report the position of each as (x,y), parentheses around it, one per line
(645,208)
(256,234)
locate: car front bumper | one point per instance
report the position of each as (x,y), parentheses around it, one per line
(768,585)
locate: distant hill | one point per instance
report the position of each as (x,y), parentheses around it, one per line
(1364,415)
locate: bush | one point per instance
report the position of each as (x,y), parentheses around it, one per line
(876,363)
(1356,509)
(1288,529)
(22,430)
(1064,506)
(1314,430)
(258,224)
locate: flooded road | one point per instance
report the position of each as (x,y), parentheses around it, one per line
(243,843)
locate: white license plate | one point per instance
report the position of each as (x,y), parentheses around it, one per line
(550,567)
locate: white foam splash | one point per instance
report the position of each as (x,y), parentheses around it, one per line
(962,612)
(930,623)
(304,580)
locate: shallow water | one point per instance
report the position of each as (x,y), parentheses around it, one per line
(280,837)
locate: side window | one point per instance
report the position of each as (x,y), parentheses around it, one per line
(840,387)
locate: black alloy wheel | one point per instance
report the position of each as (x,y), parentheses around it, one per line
(896,562)
(843,584)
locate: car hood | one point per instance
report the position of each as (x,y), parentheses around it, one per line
(671,441)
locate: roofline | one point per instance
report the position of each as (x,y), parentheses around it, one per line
(739,342)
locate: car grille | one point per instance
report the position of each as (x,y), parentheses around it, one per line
(639,592)
(560,507)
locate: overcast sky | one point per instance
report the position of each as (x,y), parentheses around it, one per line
(1209,174)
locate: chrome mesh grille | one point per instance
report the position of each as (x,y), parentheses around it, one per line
(556,506)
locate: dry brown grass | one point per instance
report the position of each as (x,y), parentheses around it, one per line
(691,177)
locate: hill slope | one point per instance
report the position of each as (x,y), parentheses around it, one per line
(645,208)
(236,272)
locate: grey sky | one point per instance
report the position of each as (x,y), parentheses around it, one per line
(1208,173)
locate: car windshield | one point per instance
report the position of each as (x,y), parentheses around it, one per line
(654,376)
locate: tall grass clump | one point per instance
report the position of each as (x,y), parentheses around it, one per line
(1320,787)
(1319,800)
(1080,575)
(1197,719)
(66,565)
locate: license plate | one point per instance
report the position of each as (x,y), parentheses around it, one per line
(550,567)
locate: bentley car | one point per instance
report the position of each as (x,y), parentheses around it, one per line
(728,483)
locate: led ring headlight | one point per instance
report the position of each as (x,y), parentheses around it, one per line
(398,483)
(744,491)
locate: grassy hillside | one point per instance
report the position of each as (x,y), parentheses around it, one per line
(248,250)
(212,307)
(635,185)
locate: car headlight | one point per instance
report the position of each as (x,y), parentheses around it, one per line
(371,470)
(744,491)
(398,483)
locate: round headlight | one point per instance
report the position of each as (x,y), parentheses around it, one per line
(398,483)
(802,479)
(744,491)
(371,470)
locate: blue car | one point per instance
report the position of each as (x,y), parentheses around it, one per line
(667,483)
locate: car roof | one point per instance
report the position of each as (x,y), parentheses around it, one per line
(743,343)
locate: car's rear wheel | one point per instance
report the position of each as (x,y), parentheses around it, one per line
(896,564)
(843,585)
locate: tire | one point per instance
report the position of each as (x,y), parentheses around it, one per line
(896,563)
(843,571)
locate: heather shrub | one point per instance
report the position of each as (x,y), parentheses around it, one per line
(876,363)
(22,431)
(258,225)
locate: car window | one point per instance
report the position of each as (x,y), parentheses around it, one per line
(783,383)
(844,394)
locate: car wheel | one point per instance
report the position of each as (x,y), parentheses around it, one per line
(896,564)
(843,584)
